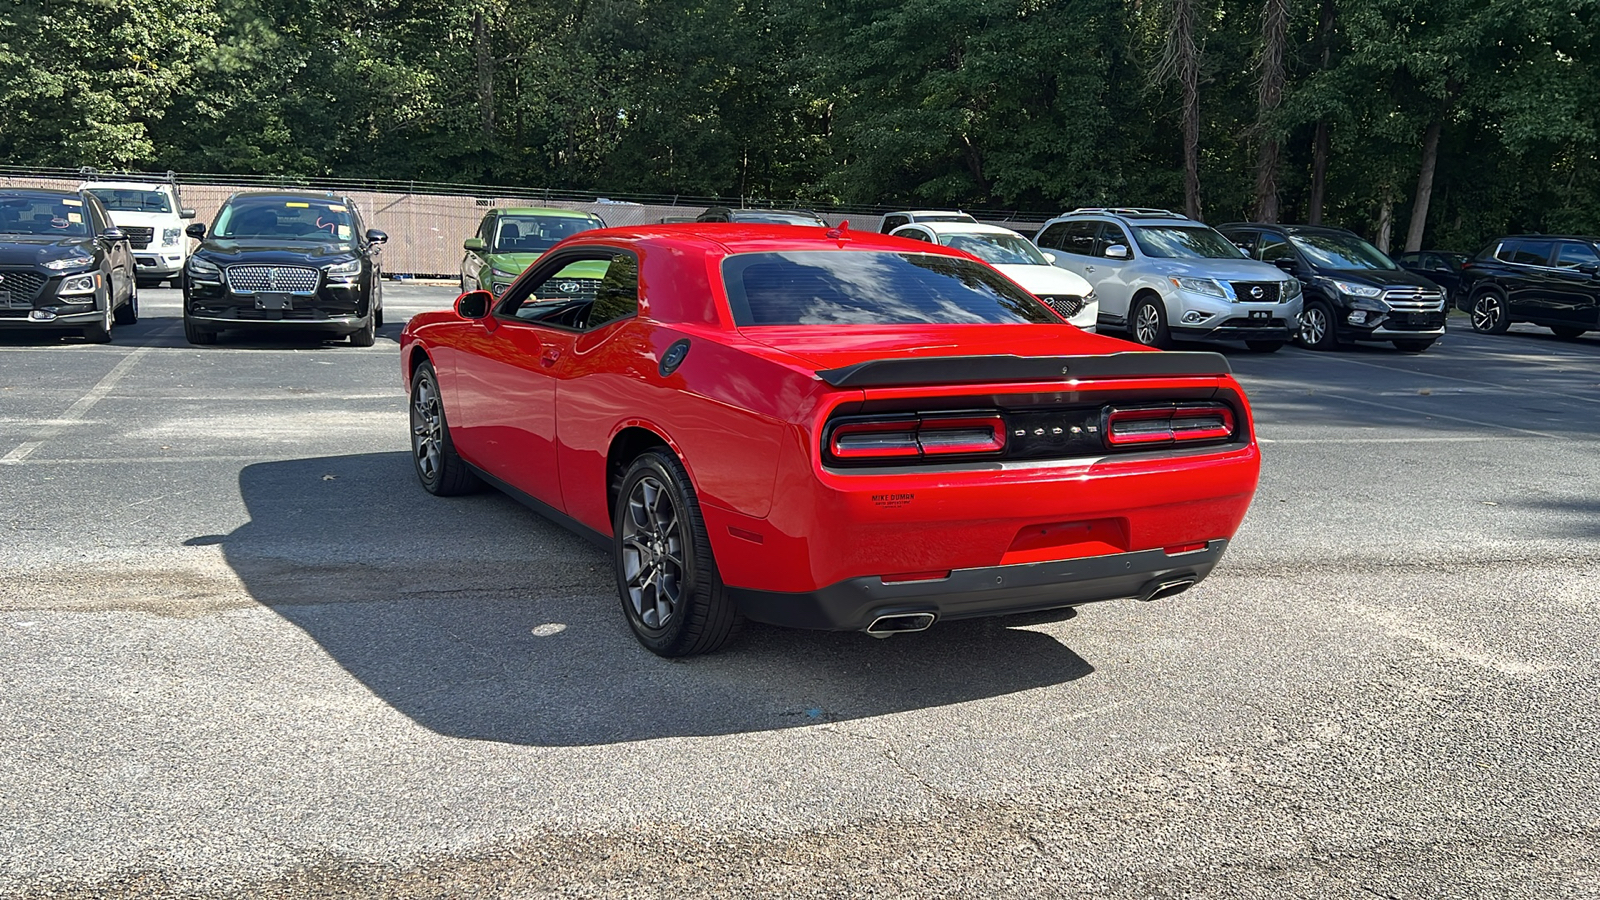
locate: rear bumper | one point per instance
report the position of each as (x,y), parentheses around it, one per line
(853,604)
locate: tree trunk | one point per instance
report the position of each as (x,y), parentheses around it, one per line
(1419,208)
(1385,219)
(1187,61)
(1319,143)
(1274,37)
(484,50)
(1319,173)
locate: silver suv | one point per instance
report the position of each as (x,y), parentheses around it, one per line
(1160,276)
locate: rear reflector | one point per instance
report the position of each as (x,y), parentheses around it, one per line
(922,436)
(1169,424)
(915,576)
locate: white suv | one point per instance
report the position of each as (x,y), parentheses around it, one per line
(1160,276)
(153,218)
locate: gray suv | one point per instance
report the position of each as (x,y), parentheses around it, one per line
(1160,276)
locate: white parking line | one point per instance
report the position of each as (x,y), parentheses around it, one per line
(76,411)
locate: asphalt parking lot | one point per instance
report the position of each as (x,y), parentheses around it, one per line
(244,654)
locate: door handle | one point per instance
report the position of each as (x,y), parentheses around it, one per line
(550,356)
(1088,268)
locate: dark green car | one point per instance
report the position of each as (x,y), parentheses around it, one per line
(509,240)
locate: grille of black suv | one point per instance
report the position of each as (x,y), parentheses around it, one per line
(139,236)
(1414,300)
(1068,305)
(290,279)
(1245,291)
(22,284)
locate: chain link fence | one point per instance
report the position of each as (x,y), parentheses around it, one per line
(426,222)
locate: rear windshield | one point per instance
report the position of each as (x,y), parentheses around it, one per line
(285,219)
(861,287)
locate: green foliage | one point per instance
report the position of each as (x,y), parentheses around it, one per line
(1031,105)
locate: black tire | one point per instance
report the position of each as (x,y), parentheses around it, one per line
(1317,327)
(367,335)
(1147,323)
(1264,346)
(377,318)
(442,472)
(1414,346)
(1489,313)
(671,593)
(1568,332)
(128,313)
(196,334)
(100,332)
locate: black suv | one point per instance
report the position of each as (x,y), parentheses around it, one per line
(1545,279)
(279,259)
(1354,292)
(63,265)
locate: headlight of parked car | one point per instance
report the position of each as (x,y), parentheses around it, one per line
(1200,286)
(70,262)
(352,267)
(79,284)
(170,236)
(1292,289)
(204,269)
(1355,290)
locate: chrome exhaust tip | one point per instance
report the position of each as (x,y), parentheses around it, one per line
(900,623)
(1171,586)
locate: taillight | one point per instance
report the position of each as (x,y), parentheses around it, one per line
(903,437)
(1170,424)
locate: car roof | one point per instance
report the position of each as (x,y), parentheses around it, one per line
(1127,212)
(126,185)
(961,228)
(291,195)
(37,193)
(541,211)
(1548,237)
(926,212)
(755,237)
(1291,228)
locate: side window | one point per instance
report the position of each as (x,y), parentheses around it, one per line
(1412,259)
(1533,253)
(892,222)
(98,219)
(1078,237)
(1110,235)
(1244,240)
(582,292)
(1051,236)
(916,234)
(1570,255)
(486,229)
(1271,247)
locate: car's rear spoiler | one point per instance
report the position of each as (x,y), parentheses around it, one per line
(974,369)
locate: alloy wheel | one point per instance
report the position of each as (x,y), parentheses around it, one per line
(1486,313)
(652,553)
(1147,324)
(1313,326)
(427,428)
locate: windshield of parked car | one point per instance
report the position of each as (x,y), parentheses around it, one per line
(46,215)
(1341,251)
(864,287)
(536,234)
(133,200)
(284,219)
(997,249)
(1184,242)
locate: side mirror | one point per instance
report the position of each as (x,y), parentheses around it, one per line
(1056,257)
(113,234)
(376,236)
(196,230)
(474,304)
(475,244)
(1589,268)
(1286,264)
(1117,251)
(185,213)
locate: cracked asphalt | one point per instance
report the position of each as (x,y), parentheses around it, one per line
(242,654)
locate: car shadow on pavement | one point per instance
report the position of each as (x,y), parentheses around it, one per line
(480,619)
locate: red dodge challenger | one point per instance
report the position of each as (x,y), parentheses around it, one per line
(824,428)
